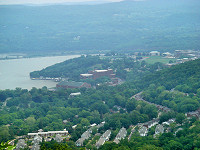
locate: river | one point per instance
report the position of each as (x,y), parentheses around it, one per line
(15,73)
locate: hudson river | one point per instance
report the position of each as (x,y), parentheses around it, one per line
(15,73)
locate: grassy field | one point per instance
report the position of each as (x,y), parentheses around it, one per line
(154,59)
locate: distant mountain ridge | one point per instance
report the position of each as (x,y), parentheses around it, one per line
(126,25)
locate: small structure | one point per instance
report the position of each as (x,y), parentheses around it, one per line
(74,127)
(20,144)
(151,123)
(58,138)
(72,85)
(159,129)
(154,53)
(74,94)
(86,135)
(196,114)
(65,121)
(86,76)
(105,137)
(47,134)
(101,124)
(143,131)
(170,121)
(37,139)
(121,135)
(35,146)
(179,129)
(167,54)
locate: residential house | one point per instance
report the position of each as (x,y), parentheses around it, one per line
(154,53)
(48,134)
(20,144)
(86,135)
(58,138)
(159,129)
(143,131)
(74,94)
(105,137)
(121,135)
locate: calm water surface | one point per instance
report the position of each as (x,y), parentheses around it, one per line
(15,73)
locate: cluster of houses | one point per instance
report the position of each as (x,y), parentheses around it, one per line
(87,134)
(104,137)
(193,114)
(37,138)
(144,127)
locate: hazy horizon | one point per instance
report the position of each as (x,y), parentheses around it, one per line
(14,2)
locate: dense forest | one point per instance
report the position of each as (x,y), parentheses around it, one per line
(24,111)
(127,25)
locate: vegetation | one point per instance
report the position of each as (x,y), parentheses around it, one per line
(154,59)
(127,25)
(176,87)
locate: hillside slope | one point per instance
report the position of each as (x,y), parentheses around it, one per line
(127,25)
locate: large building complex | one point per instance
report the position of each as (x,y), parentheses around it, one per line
(98,74)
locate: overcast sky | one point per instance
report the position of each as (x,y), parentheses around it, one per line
(3,2)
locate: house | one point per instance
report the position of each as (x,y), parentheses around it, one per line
(143,131)
(101,124)
(151,123)
(159,129)
(37,139)
(105,137)
(154,53)
(167,54)
(35,146)
(48,134)
(20,144)
(58,138)
(179,129)
(170,121)
(80,141)
(193,114)
(86,135)
(74,127)
(121,135)
(74,94)
(72,85)
(86,76)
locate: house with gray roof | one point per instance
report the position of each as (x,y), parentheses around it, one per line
(58,138)
(143,131)
(105,137)
(20,144)
(35,146)
(37,139)
(159,130)
(86,135)
(121,135)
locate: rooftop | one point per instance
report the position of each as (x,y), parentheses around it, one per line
(70,83)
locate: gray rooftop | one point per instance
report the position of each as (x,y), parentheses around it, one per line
(70,83)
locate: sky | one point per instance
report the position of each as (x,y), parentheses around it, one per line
(5,2)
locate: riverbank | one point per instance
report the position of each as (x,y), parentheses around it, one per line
(15,72)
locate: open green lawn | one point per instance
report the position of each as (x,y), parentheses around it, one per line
(154,59)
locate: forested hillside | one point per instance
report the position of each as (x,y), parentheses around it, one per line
(24,111)
(187,74)
(127,25)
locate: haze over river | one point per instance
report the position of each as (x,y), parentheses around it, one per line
(15,73)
